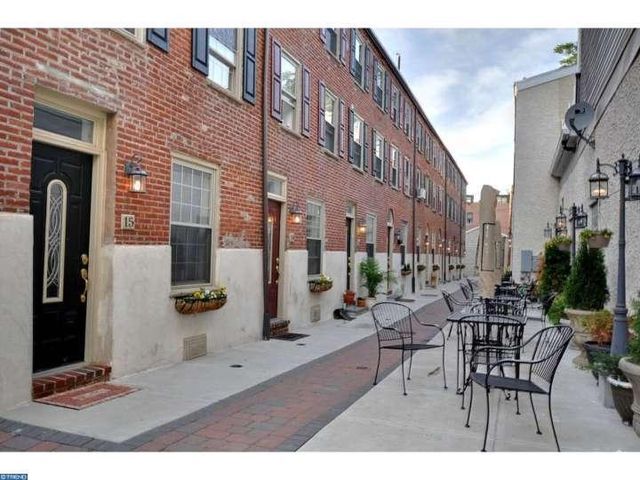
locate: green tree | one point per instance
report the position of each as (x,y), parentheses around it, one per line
(586,287)
(556,266)
(570,52)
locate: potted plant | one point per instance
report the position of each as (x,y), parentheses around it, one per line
(564,243)
(630,366)
(600,329)
(372,278)
(434,275)
(585,293)
(555,268)
(556,311)
(597,238)
(405,270)
(320,284)
(361,302)
(202,300)
(421,268)
(349,297)
(606,365)
(451,267)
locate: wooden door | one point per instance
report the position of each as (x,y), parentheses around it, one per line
(273,252)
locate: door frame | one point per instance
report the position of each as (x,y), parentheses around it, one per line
(284,208)
(97,217)
(352,215)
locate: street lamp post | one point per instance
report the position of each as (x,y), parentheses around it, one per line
(578,220)
(599,188)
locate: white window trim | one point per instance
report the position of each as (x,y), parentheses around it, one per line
(381,138)
(336,120)
(236,84)
(363,140)
(375,73)
(296,116)
(335,54)
(275,196)
(214,203)
(374,229)
(137,37)
(322,239)
(361,61)
(393,149)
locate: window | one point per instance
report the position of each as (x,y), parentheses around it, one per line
(358,141)
(358,60)
(333,40)
(314,238)
(330,121)
(371,235)
(191,224)
(395,104)
(407,176)
(133,33)
(378,84)
(62,123)
(290,71)
(395,167)
(223,57)
(407,120)
(378,156)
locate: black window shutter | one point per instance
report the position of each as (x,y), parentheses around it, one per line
(341,129)
(200,50)
(374,165)
(353,52)
(385,166)
(350,139)
(323,36)
(365,137)
(276,80)
(367,69)
(159,37)
(249,75)
(398,114)
(374,88)
(387,91)
(321,125)
(344,45)
(306,109)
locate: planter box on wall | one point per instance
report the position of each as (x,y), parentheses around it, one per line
(188,306)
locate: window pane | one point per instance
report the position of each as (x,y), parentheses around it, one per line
(224,42)
(357,130)
(379,146)
(62,123)
(332,39)
(190,255)
(220,73)
(329,109)
(313,220)
(191,196)
(329,137)
(288,76)
(314,248)
(288,115)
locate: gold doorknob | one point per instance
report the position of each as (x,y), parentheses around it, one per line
(84,258)
(84,273)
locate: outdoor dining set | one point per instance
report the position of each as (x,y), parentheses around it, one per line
(491,351)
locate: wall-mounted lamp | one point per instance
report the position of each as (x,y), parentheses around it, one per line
(398,236)
(295,213)
(362,228)
(137,174)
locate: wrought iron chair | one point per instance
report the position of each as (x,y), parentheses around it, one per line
(468,294)
(394,328)
(498,306)
(451,302)
(533,376)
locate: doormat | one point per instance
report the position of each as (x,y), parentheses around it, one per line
(290,336)
(84,397)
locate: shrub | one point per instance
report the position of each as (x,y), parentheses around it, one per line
(634,342)
(600,326)
(556,267)
(556,312)
(606,365)
(586,286)
(373,276)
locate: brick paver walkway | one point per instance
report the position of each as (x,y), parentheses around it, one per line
(280,414)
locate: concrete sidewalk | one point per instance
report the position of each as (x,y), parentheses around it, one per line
(429,419)
(173,392)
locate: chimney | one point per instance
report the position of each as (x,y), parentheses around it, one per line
(398,61)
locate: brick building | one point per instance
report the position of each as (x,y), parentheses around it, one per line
(269,154)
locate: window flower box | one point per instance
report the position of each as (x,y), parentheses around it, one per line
(597,238)
(406,270)
(321,284)
(421,268)
(201,301)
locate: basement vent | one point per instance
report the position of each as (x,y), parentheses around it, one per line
(315,313)
(195,347)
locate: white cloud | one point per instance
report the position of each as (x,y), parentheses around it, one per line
(434,90)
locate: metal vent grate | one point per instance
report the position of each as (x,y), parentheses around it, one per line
(195,347)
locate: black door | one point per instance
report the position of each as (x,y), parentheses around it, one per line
(60,205)
(349,223)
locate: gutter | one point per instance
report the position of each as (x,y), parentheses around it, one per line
(266,323)
(413,207)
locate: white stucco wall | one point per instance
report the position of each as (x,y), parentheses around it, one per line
(16,308)
(539,114)
(148,332)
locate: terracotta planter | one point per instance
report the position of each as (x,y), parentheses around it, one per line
(349,297)
(576,318)
(622,399)
(434,279)
(632,372)
(598,241)
(361,302)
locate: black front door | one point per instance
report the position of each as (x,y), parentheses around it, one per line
(60,205)
(349,224)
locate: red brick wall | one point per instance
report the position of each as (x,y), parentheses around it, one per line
(157,103)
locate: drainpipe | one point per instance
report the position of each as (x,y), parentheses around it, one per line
(266,324)
(413,205)
(445,245)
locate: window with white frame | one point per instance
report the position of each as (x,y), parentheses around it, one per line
(378,156)
(407,120)
(133,33)
(330,121)
(192,220)
(395,104)
(358,59)
(290,73)
(224,50)
(314,238)
(395,167)
(358,141)
(371,235)
(378,85)
(407,176)
(333,40)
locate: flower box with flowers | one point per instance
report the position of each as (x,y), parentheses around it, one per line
(201,301)
(320,284)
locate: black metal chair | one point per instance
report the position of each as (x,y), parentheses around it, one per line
(452,302)
(546,306)
(498,306)
(468,293)
(532,376)
(394,327)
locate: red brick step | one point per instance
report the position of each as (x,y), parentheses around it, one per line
(61,382)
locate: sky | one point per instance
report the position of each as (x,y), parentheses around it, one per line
(463,78)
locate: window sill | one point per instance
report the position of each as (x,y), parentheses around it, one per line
(224,91)
(187,289)
(358,169)
(360,85)
(293,133)
(329,153)
(379,180)
(140,43)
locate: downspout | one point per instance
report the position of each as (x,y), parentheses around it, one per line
(445,253)
(413,205)
(266,324)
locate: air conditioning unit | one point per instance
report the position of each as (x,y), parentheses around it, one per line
(422,193)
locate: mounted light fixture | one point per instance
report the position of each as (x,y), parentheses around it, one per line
(398,237)
(599,183)
(295,213)
(561,220)
(548,232)
(137,175)
(362,228)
